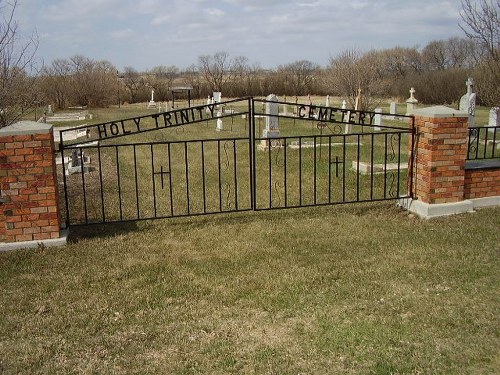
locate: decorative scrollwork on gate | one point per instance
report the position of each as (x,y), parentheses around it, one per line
(392,142)
(392,183)
(226,154)
(473,139)
(226,189)
(277,195)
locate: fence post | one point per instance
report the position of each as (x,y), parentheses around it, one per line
(29,209)
(439,157)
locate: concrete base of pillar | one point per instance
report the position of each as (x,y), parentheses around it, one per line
(429,211)
(61,241)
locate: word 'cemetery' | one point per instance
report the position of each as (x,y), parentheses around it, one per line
(336,115)
(208,112)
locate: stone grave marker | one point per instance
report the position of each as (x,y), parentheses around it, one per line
(494,118)
(152,103)
(272,124)
(378,119)
(219,127)
(393,110)
(411,103)
(468,102)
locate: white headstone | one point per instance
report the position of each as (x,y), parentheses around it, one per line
(219,127)
(217,95)
(327,101)
(378,119)
(152,103)
(468,102)
(209,101)
(348,127)
(494,119)
(49,109)
(272,110)
(411,102)
(393,109)
(357,103)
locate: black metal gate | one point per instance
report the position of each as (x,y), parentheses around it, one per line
(214,158)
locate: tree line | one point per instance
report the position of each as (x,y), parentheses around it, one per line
(437,71)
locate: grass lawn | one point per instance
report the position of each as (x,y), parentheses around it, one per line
(352,289)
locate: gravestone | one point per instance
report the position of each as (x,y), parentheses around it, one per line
(285,107)
(494,118)
(393,110)
(77,163)
(272,125)
(49,110)
(468,102)
(348,127)
(209,101)
(411,103)
(217,96)
(219,127)
(152,103)
(327,101)
(357,103)
(378,119)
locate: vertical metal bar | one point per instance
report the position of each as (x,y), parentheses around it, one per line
(477,141)
(203,176)
(494,142)
(83,186)
(170,181)
(219,174)
(284,174)
(270,173)
(314,169)
(385,165)
(399,164)
(186,161)
(486,142)
(412,156)
(330,169)
(343,167)
(119,186)
(235,175)
(357,169)
(251,151)
(66,200)
(372,135)
(101,183)
(153,178)
(300,170)
(136,184)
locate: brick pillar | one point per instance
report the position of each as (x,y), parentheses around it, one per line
(439,162)
(440,154)
(28,181)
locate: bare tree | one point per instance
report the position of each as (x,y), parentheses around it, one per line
(299,76)
(216,69)
(481,22)
(352,70)
(18,70)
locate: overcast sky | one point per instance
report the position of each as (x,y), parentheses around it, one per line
(147,33)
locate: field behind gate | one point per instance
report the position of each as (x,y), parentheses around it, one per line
(193,169)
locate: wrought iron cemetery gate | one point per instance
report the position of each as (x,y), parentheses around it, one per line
(239,155)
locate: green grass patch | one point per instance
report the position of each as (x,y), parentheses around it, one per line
(354,289)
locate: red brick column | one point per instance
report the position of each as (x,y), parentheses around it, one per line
(439,155)
(28,181)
